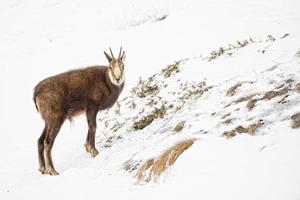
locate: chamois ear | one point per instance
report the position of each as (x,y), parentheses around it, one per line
(107,57)
(123,56)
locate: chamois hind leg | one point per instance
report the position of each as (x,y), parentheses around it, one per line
(52,132)
(41,150)
(91,115)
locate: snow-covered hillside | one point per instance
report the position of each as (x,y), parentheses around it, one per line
(210,109)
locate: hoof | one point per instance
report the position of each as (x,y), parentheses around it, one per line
(42,170)
(94,152)
(52,172)
(87,148)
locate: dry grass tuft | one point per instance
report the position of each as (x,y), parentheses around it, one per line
(141,173)
(284,36)
(233,89)
(226,115)
(153,168)
(171,69)
(230,134)
(227,121)
(251,129)
(298,54)
(271,94)
(195,90)
(298,87)
(268,96)
(251,103)
(242,99)
(179,126)
(147,120)
(296,120)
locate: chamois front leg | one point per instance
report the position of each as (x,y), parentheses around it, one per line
(91,115)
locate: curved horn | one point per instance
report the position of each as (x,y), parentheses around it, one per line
(112,55)
(120,53)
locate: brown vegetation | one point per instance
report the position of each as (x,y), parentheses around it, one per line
(170,69)
(296,120)
(228,121)
(148,119)
(268,96)
(226,115)
(242,99)
(195,90)
(146,87)
(298,87)
(179,126)
(298,54)
(272,94)
(251,103)
(153,168)
(251,129)
(233,89)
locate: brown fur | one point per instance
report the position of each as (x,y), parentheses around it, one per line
(66,95)
(69,93)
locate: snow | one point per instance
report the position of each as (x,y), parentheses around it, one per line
(43,38)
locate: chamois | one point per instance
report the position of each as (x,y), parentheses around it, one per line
(66,95)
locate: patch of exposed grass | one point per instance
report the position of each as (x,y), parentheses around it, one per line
(171,69)
(284,36)
(230,49)
(226,115)
(270,38)
(162,18)
(298,54)
(240,100)
(227,121)
(231,91)
(272,94)
(251,103)
(251,129)
(298,87)
(154,168)
(111,140)
(279,91)
(179,126)
(151,86)
(131,165)
(295,120)
(146,88)
(148,119)
(194,90)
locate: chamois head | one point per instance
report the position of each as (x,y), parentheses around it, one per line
(116,67)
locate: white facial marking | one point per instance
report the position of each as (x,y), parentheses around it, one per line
(115,73)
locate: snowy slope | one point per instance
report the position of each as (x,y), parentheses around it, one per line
(42,38)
